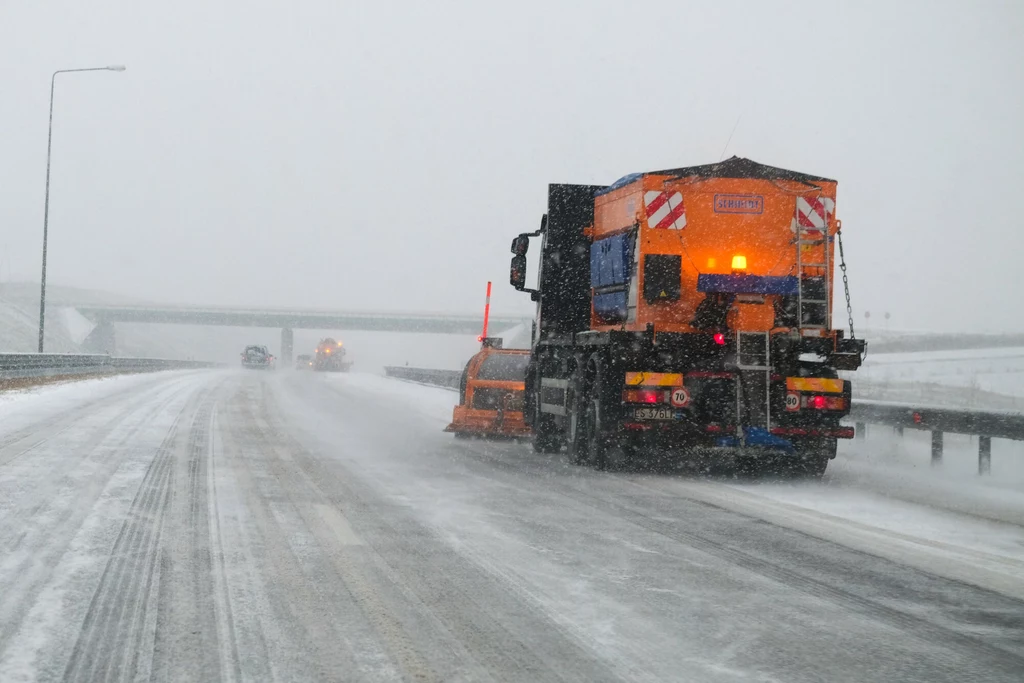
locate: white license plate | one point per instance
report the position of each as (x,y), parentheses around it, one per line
(654,414)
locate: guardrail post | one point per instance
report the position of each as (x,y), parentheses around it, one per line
(984,454)
(936,448)
(860,430)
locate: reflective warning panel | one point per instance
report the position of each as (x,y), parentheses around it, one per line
(818,385)
(654,379)
(814,212)
(665,210)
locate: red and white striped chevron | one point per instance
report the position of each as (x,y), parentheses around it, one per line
(814,212)
(665,210)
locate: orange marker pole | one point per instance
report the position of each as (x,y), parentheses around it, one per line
(487,311)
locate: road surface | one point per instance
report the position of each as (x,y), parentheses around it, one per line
(231,526)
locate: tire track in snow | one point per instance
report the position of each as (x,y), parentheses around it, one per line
(230,662)
(383,637)
(498,633)
(110,646)
(808,577)
(287,620)
(35,537)
(22,441)
(186,642)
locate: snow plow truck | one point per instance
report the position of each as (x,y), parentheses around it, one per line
(491,393)
(330,356)
(686,314)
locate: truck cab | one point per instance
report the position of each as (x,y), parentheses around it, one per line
(491,393)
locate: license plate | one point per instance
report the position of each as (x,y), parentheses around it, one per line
(654,414)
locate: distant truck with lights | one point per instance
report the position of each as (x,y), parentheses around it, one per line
(686,313)
(330,356)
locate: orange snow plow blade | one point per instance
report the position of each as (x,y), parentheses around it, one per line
(491,394)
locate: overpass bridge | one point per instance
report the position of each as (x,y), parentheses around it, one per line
(103,339)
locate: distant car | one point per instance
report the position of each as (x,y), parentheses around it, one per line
(257,358)
(303,362)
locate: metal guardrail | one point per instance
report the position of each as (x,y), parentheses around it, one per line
(24,365)
(986,425)
(446,379)
(993,424)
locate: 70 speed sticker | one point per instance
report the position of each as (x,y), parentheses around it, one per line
(680,397)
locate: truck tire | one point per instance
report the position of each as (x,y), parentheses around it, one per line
(813,456)
(597,442)
(547,436)
(814,467)
(597,445)
(578,443)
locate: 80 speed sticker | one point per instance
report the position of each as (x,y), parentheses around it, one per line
(792,402)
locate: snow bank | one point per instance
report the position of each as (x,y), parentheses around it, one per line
(22,407)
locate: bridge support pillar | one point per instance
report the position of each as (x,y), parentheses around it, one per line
(984,455)
(287,343)
(936,448)
(101,339)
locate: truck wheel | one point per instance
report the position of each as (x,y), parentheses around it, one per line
(597,446)
(814,467)
(578,441)
(813,456)
(597,442)
(747,467)
(547,437)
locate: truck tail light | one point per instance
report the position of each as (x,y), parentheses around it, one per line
(720,339)
(825,403)
(644,396)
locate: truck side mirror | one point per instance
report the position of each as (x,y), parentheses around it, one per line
(517,272)
(521,244)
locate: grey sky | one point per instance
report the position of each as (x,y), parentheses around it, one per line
(381,155)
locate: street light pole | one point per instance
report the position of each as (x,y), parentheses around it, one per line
(46,201)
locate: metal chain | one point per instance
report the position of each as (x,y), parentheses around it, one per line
(846,281)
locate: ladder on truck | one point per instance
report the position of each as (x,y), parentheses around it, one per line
(753,383)
(814,289)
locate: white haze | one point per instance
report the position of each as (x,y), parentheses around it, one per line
(381,155)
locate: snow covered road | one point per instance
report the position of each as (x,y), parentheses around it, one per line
(294,526)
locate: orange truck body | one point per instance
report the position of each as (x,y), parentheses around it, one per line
(723,218)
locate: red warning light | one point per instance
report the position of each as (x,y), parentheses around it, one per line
(720,339)
(648,396)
